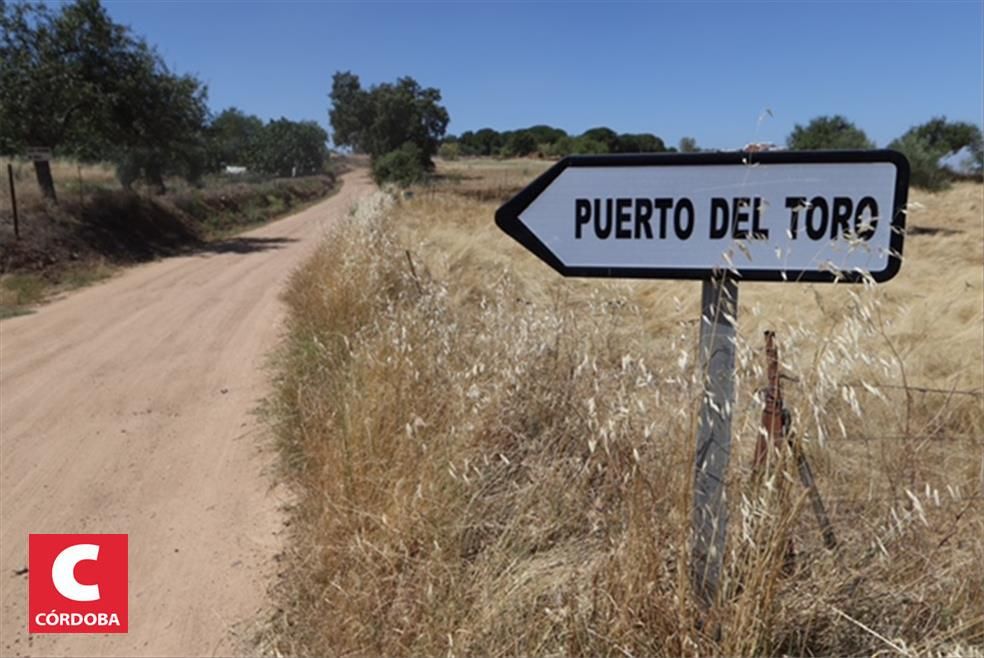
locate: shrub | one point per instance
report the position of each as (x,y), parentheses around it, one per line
(929,144)
(588,146)
(404,166)
(520,143)
(924,163)
(450,151)
(562,147)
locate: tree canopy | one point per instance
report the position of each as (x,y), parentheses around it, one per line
(606,137)
(73,80)
(947,138)
(280,147)
(60,74)
(234,137)
(688,145)
(383,118)
(286,148)
(828,133)
(928,144)
(639,143)
(554,142)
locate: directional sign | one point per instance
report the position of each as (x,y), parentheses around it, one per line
(773,216)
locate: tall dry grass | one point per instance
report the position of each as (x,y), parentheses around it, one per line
(71,179)
(490,460)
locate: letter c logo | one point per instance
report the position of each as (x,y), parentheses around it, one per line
(63,573)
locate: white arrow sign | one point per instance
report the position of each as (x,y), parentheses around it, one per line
(780,216)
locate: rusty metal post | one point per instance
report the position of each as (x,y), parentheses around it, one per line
(773,413)
(775,428)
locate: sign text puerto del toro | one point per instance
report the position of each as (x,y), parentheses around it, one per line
(773,216)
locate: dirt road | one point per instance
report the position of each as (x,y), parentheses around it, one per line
(127,408)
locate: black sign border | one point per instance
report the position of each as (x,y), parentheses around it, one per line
(507,216)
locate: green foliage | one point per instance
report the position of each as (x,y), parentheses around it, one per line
(351,113)
(385,117)
(166,126)
(404,166)
(279,148)
(639,143)
(948,137)
(543,134)
(927,144)
(828,133)
(584,145)
(234,138)
(491,141)
(604,140)
(688,145)
(560,148)
(55,70)
(554,142)
(607,137)
(520,143)
(450,150)
(73,80)
(25,288)
(483,142)
(924,162)
(286,148)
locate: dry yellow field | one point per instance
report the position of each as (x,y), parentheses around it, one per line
(69,177)
(935,303)
(490,459)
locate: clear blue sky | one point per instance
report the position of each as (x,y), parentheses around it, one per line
(707,69)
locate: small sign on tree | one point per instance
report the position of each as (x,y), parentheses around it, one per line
(38,153)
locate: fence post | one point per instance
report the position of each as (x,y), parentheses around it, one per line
(13,200)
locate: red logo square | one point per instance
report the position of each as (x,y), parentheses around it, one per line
(77,583)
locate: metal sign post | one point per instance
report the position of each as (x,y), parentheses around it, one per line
(785,216)
(718,311)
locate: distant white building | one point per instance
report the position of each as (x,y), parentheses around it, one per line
(234,170)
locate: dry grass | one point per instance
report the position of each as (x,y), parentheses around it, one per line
(67,175)
(484,179)
(491,460)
